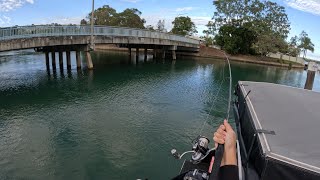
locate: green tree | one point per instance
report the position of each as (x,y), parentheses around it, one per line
(83,22)
(104,15)
(183,26)
(130,18)
(160,26)
(305,43)
(264,18)
(108,16)
(293,46)
(235,39)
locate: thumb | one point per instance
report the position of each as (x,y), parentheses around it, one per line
(227,125)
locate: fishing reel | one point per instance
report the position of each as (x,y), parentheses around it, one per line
(200,150)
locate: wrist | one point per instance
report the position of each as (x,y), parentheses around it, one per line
(230,156)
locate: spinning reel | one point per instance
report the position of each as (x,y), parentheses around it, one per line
(200,150)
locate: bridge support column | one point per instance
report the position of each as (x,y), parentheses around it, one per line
(137,54)
(145,54)
(61,60)
(129,51)
(163,54)
(68,60)
(89,60)
(174,56)
(154,53)
(78,59)
(53,60)
(47,60)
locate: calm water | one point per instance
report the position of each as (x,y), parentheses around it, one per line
(119,121)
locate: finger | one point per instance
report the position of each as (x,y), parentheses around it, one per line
(222,127)
(220,131)
(227,125)
(218,135)
(215,145)
(217,140)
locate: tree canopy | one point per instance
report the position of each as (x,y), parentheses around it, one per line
(266,20)
(108,16)
(160,26)
(183,26)
(305,44)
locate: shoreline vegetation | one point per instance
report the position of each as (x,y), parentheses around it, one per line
(208,52)
(247,30)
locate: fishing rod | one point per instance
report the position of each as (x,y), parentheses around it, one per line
(200,147)
(220,149)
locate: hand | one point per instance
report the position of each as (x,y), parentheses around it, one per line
(225,135)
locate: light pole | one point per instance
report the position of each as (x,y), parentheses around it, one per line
(92,19)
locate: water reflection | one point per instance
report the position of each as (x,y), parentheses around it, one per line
(82,124)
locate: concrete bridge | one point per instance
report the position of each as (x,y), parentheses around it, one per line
(60,39)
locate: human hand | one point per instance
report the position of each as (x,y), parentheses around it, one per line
(226,135)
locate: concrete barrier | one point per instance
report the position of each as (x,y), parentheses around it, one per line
(286,58)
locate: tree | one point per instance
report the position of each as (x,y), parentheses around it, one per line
(183,26)
(130,18)
(208,39)
(83,22)
(160,26)
(293,49)
(104,15)
(108,16)
(264,18)
(235,39)
(305,44)
(150,27)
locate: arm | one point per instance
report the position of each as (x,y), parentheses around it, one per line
(225,135)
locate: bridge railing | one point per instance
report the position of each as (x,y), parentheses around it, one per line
(19,32)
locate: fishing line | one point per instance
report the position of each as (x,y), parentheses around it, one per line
(220,149)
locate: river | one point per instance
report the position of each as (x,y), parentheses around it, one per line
(119,121)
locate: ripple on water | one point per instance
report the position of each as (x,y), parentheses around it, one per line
(118,118)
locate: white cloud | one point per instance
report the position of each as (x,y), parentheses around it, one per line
(310,6)
(4,20)
(200,20)
(9,5)
(183,9)
(60,20)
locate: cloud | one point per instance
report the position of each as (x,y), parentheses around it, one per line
(4,20)
(310,6)
(9,5)
(200,20)
(61,20)
(183,9)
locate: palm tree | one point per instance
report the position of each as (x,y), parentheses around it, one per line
(305,44)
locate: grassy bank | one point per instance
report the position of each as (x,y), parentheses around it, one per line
(207,52)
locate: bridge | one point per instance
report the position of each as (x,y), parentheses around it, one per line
(59,39)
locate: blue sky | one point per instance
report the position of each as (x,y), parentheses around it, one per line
(303,14)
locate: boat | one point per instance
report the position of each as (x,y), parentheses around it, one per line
(278,130)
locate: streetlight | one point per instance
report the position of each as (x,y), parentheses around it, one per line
(92,18)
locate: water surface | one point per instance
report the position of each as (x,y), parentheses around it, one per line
(119,121)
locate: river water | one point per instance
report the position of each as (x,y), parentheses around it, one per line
(119,121)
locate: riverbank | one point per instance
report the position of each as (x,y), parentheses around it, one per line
(208,52)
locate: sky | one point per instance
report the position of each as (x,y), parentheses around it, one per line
(303,14)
